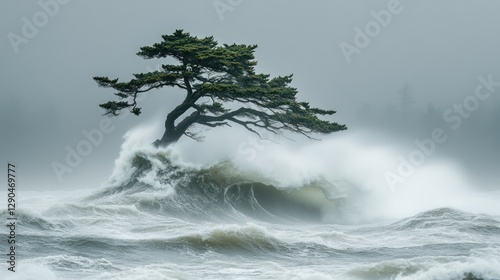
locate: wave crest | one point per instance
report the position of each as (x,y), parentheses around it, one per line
(156,181)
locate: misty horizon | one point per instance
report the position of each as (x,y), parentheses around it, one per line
(409,191)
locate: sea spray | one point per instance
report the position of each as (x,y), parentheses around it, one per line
(327,218)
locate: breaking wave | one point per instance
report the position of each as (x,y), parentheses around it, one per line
(163,218)
(158,184)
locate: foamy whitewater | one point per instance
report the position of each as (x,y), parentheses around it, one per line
(322,212)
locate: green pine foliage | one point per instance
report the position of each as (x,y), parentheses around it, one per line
(214,76)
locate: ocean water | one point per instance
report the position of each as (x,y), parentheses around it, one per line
(161,218)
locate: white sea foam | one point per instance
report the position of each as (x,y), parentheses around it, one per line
(146,230)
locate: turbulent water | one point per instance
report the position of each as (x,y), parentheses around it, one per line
(159,218)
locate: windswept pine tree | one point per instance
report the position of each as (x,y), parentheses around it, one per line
(214,76)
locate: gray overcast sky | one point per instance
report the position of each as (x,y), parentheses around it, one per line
(48,96)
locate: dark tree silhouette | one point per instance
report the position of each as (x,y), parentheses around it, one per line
(405,98)
(213,77)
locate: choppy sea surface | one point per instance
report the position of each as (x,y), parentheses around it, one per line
(157,218)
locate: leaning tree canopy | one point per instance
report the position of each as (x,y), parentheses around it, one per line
(215,77)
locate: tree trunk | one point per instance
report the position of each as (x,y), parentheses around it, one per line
(172,132)
(167,139)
